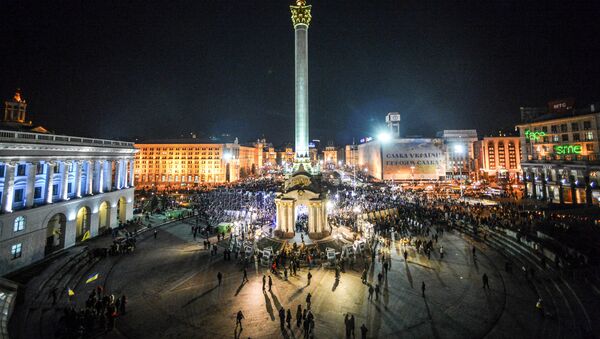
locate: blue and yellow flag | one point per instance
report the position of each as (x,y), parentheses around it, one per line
(92,277)
(86,236)
(70,292)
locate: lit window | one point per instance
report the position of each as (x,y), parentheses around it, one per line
(15,250)
(19,224)
(589,135)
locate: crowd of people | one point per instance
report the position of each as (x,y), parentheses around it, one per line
(99,315)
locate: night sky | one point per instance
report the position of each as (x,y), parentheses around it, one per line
(156,69)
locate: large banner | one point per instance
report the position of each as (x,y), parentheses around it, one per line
(414,159)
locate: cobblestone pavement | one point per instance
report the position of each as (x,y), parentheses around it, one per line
(172,289)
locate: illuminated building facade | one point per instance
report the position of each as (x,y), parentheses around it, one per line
(330,157)
(560,153)
(351,155)
(57,190)
(500,157)
(460,152)
(193,162)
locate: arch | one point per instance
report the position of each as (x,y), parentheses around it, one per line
(103,217)
(82,222)
(55,233)
(122,210)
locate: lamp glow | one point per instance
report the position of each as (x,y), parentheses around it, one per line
(384,137)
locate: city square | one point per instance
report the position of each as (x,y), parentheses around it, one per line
(212,200)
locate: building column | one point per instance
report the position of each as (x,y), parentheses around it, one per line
(101,171)
(64,195)
(78,172)
(291,218)
(278,217)
(588,189)
(544,187)
(29,195)
(118,174)
(533,186)
(125,179)
(132,175)
(284,219)
(109,175)
(90,177)
(561,195)
(311,217)
(9,187)
(48,194)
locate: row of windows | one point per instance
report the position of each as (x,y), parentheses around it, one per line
(180,149)
(177,178)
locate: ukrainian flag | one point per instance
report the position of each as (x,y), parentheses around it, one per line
(70,292)
(92,277)
(86,236)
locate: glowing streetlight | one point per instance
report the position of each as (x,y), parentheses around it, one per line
(384,137)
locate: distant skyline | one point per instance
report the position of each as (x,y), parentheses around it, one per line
(158,69)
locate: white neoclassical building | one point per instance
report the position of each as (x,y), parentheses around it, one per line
(56,188)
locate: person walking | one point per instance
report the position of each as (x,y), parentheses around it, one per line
(155,234)
(347,325)
(264,281)
(405,255)
(363,331)
(245,278)
(299,316)
(240,316)
(281,318)
(423,289)
(352,325)
(309,277)
(371,292)
(364,276)
(288,318)
(270,283)
(219,277)
(441,252)
(486,282)
(308,300)
(377,289)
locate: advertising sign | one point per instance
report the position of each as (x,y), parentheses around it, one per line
(414,159)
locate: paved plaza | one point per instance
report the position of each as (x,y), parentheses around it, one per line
(172,288)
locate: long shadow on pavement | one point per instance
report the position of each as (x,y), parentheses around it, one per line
(408,275)
(297,293)
(268,305)
(240,288)
(200,296)
(276,301)
(433,328)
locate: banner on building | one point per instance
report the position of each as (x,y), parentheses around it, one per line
(414,159)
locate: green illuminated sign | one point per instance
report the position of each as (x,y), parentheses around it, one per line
(567,149)
(534,136)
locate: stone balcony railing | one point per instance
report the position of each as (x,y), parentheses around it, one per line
(39,138)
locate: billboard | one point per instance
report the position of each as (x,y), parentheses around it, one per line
(414,159)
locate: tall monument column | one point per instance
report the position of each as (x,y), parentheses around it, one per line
(301,20)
